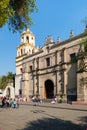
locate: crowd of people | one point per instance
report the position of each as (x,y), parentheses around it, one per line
(57,100)
(36,100)
(14,103)
(9,102)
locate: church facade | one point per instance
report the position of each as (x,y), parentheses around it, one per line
(54,69)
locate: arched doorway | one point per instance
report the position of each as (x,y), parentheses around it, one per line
(49,89)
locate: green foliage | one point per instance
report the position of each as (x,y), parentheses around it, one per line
(83,81)
(4,80)
(84,44)
(10,77)
(5,12)
(16,13)
(73,60)
(81,66)
(82,55)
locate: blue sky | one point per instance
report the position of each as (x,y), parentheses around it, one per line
(54,17)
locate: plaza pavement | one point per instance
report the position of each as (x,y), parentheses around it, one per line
(46,116)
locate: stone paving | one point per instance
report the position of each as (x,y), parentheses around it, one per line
(46,116)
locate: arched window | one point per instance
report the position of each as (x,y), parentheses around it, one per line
(21,70)
(32,38)
(27,39)
(21,51)
(47,62)
(22,39)
(47,49)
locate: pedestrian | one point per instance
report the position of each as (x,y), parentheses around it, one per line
(14,103)
(17,103)
(7,102)
(3,101)
(11,103)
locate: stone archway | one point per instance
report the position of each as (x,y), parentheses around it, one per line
(8,92)
(49,89)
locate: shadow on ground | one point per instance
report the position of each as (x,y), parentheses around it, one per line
(84,120)
(53,123)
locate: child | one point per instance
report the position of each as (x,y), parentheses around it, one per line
(14,103)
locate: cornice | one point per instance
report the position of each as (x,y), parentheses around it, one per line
(21,56)
(70,40)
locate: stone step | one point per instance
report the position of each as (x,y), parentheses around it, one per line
(79,103)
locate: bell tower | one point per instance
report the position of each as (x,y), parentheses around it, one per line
(26,47)
(28,37)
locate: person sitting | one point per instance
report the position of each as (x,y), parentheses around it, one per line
(53,100)
(60,99)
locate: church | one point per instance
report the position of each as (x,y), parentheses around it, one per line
(55,69)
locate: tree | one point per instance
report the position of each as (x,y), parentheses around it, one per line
(10,77)
(16,13)
(4,80)
(5,12)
